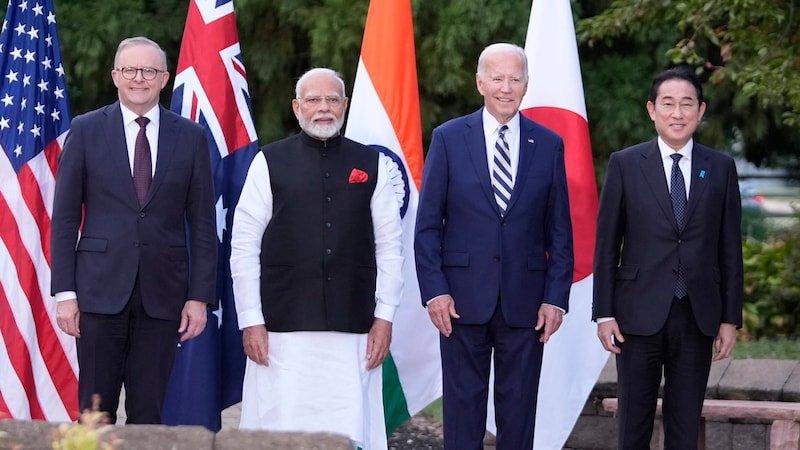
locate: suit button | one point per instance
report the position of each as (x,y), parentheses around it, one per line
(328,225)
(502,223)
(327,174)
(328,199)
(328,251)
(141,214)
(135,243)
(496,259)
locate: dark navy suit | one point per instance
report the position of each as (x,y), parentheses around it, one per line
(498,268)
(154,257)
(638,251)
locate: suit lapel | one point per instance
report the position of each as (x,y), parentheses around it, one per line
(114,130)
(701,168)
(653,172)
(166,150)
(527,146)
(475,142)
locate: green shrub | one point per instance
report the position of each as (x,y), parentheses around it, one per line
(754,225)
(772,285)
(91,433)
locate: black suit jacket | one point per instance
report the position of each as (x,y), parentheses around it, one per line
(170,241)
(639,247)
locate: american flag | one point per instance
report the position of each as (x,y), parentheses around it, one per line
(211,89)
(38,365)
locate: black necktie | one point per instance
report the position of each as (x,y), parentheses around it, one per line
(142,162)
(678,195)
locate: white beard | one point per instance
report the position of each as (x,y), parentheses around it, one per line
(320,131)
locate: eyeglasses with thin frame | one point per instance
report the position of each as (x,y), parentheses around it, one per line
(148,73)
(684,107)
(316,100)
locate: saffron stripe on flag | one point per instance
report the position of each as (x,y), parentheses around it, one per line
(384,113)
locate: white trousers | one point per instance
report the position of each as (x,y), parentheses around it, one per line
(316,382)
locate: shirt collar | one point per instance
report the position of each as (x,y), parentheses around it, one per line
(129,116)
(666,150)
(491,125)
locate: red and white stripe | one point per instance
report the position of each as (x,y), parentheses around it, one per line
(38,363)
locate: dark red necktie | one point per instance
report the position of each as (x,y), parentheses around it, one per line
(142,162)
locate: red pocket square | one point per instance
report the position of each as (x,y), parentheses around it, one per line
(358,176)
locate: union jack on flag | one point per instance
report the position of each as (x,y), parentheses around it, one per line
(211,89)
(38,364)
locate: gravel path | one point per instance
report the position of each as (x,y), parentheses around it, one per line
(418,433)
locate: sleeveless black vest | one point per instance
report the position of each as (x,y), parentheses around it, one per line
(318,265)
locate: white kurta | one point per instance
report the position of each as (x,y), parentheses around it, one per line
(316,381)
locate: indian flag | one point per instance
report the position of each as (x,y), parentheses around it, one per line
(384,113)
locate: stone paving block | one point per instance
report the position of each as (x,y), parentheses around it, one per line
(606,385)
(718,369)
(28,435)
(593,433)
(158,437)
(719,435)
(263,440)
(750,437)
(754,379)
(784,435)
(791,390)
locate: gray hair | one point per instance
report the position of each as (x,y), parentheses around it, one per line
(140,40)
(502,47)
(316,72)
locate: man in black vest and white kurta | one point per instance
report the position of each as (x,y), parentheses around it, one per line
(316,264)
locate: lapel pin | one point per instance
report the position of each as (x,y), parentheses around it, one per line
(530,141)
(702,174)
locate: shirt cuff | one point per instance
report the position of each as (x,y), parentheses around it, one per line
(563,311)
(434,298)
(385,312)
(250,318)
(604,319)
(66,295)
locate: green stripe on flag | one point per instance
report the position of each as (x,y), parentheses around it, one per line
(395,408)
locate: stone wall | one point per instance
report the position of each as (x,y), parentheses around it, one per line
(746,379)
(37,435)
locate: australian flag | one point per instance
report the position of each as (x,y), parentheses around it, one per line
(211,89)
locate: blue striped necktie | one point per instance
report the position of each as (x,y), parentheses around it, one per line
(678,196)
(502,181)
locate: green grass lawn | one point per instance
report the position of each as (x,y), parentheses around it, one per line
(759,349)
(767,349)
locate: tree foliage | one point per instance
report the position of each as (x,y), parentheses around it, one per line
(747,49)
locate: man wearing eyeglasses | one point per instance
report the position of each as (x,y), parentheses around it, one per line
(133,238)
(668,267)
(316,264)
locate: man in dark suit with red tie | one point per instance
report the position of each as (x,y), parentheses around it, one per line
(133,238)
(494,257)
(668,266)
